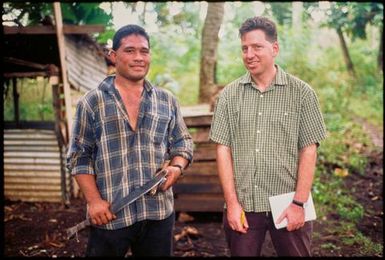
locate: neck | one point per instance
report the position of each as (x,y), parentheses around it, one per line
(264,79)
(124,85)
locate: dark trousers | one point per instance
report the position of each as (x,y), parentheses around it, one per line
(145,238)
(286,243)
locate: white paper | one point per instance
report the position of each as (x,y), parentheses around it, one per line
(280,202)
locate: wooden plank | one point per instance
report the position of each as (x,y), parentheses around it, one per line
(198,121)
(41,29)
(205,152)
(192,188)
(26,63)
(199,203)
(196,110)
(63,64)
(202,168)
(200,136)
(199,179)
(31,74)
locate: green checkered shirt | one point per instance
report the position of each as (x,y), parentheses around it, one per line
(265,132)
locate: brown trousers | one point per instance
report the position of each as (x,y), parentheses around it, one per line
(286,243)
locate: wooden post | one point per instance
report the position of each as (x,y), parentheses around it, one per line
(63,64)
(66,85)
(16,102)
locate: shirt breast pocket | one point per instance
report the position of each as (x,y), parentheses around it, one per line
(157,126)
(284,122)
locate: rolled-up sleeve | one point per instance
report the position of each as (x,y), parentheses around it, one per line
(81,149)
(180,140)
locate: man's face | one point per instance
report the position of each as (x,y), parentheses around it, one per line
(132,59)
(258,53)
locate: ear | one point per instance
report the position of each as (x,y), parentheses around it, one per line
(112,56)
(275,49)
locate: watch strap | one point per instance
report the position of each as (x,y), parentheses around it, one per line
(180,167)
(298,203)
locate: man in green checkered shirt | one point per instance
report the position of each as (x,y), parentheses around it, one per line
(267,125)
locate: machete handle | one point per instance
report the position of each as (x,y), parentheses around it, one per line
(153,191)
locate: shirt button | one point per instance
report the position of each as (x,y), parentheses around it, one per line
(259,113)
(256,186)
(258,132)
(257,150)
(261,95)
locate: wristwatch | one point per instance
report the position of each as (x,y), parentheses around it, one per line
(180,168)
(299,203)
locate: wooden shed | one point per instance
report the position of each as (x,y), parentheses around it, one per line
(34,151)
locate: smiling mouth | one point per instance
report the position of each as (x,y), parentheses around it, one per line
(253,64)
(137,67)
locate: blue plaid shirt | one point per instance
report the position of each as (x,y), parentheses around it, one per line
(122,160)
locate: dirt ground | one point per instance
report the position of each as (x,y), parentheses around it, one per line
(38,229)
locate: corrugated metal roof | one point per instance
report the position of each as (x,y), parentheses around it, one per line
(86,64)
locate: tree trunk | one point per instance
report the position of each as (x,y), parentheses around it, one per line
(345,52)
(213,21)
(297,10)
(380,51)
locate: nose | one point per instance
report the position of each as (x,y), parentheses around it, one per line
(249,53)
(138,56)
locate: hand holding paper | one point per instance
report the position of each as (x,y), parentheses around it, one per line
(294,216)
(279,205)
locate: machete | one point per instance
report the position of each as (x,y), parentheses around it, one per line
(159,178)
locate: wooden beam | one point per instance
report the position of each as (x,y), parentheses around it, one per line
(198,121)
(25,63)
(31,74)
(41,29)
(16,101)
(60,39)
(66,85)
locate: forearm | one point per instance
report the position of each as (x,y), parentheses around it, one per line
(226,174)
(88,186)
(306,169)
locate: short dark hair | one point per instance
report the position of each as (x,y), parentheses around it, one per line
(260,23)
(126,31)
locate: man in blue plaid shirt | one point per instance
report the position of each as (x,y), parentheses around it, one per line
(123,131)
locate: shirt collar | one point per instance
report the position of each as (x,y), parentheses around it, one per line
(279,79)
(108,84)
